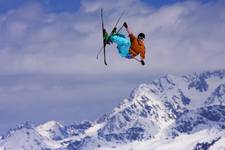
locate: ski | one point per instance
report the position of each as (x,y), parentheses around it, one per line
(118,20)
(104,44)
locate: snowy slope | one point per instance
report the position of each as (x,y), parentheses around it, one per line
(26,137)
(153,109)
(78,128)
(211,139)
(196,120)
(52,130)
(186,112)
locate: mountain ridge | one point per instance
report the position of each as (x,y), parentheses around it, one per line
(166,109)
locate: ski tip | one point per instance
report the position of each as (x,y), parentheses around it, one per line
(105,63)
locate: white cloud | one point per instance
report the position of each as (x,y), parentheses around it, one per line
(187,33)
(61,48)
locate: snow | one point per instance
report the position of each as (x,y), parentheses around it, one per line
(51,130)
(199,98)
(183,142)
(220,145)
(169,113)
(27,139)
(93,130)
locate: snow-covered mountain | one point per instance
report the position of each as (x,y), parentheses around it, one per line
(172,112)
(52,130)
(25,137)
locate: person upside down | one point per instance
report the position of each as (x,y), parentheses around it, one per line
(128,48)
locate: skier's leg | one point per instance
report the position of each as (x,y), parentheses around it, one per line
(105,36)
(123,44)
(119,40)
(123,50)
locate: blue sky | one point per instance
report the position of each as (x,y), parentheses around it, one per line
(50,5)
(64,5)
(72,5)
(48,49)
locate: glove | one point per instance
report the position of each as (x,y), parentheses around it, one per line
(125,25)
(142,62)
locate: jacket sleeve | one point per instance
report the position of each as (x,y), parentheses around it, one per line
(132,37)
(142,53)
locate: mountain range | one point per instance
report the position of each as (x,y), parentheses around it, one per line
(172,112)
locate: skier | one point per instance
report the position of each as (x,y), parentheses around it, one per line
(128,48)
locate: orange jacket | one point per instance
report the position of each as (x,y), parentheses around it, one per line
(137,47)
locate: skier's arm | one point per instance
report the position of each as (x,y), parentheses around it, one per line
(142,59)
(131,35)
(142,53)
(128,31)
(126,26)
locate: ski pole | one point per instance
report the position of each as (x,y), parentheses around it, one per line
(119,29)
(119,18)
(117,32)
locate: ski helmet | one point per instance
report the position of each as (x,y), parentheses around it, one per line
(141,35)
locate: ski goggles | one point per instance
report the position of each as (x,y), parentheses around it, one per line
(141,38)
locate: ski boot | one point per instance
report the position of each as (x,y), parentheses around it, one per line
(113,31)
(106,37)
